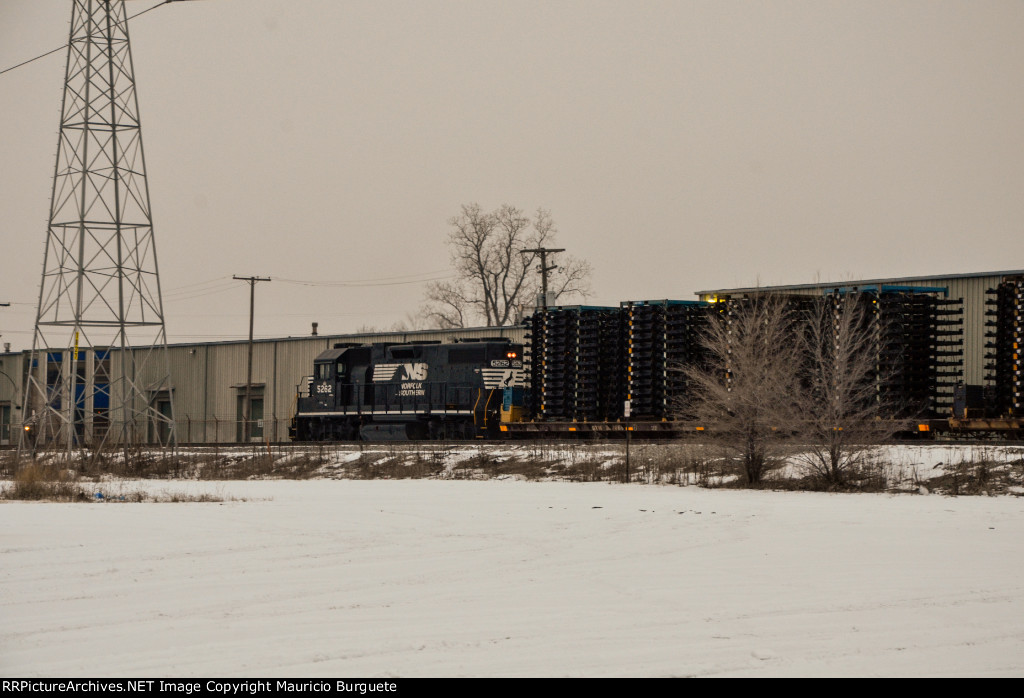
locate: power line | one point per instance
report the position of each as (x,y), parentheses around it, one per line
(199,283)
(198,292)
(200,288)
(439,275)
(64,46)
(30,60)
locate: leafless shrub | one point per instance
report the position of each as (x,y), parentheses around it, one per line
(39,481)
(746,387)
(840,415)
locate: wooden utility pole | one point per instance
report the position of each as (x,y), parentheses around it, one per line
(4,305)
(247,411)
(543,270)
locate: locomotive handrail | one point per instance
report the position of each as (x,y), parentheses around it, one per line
(437,397)
(387,398)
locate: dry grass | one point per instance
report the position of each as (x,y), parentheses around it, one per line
(115,492)
(980,474)
(682,463)
(39,481)
(394,467)
(486,466)
(45,481)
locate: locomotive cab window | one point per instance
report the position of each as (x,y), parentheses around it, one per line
(323,371)
(405,352)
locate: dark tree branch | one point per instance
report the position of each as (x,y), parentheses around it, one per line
(496,281)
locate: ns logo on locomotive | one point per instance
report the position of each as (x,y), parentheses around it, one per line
(420,390)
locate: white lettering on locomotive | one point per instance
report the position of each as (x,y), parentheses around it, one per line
(412,390)
(505,363)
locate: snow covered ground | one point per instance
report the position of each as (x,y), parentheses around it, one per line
(509,578)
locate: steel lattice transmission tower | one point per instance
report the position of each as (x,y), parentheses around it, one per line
(99,373)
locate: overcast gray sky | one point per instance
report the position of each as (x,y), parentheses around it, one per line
(679,145)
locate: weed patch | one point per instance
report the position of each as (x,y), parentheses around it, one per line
(45,482)
(40,481)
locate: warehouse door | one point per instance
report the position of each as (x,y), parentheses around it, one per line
(159,427)
(255,416)
(5,423)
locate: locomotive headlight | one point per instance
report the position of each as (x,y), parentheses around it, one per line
(511,355)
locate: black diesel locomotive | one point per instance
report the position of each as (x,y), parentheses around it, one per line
(419,390)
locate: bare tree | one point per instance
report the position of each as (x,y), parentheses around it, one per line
(841,410)
(745,390)
(495,280)
(447,305)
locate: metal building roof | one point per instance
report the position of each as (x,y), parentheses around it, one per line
(895,280)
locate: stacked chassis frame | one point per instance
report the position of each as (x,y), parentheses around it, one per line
(662,337)
(917,340)
(1005,397)
(585,362)
(919,337)
(575,363)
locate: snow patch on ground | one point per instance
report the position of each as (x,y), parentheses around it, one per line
(435,577)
